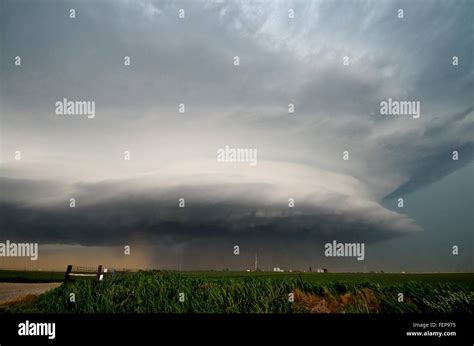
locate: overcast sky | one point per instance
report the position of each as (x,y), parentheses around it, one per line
(283,60)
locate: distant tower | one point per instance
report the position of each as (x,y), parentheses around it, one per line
(256,262)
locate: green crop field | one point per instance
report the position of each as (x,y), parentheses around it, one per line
(234,292)
(385,279)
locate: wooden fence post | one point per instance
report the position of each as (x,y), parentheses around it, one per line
(99,271)
(68,271)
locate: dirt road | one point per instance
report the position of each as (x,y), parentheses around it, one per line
(14,291)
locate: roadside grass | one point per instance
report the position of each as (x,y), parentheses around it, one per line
(159,292)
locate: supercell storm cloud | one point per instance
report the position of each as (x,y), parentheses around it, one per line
(217,203)
(305,92)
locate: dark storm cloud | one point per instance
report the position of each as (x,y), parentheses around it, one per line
(433,168)
(110,213)
(436,144)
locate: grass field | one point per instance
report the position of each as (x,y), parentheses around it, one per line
(387,279)
(238,292)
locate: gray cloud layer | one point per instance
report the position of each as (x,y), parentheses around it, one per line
(218,205)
